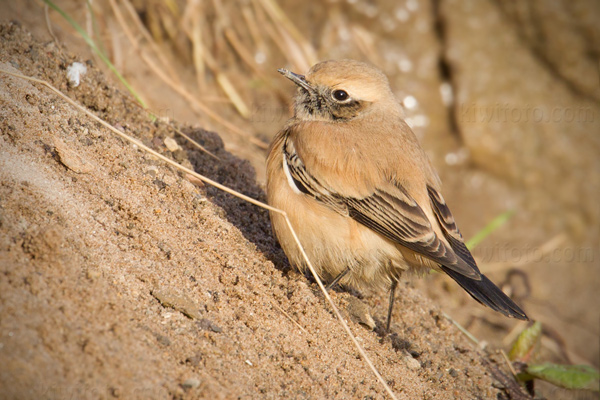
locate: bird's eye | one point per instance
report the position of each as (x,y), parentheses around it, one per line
(340,95)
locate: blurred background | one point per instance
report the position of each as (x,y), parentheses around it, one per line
(503,95)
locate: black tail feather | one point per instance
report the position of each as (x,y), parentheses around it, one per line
(485,292)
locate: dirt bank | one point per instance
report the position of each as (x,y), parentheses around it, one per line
(98,241)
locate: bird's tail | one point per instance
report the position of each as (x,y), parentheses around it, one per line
(485,292)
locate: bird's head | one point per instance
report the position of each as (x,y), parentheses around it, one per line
(339,90)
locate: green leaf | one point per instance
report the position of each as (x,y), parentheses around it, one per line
(567,376)
(527,343)
(489,229)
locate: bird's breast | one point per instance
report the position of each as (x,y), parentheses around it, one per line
(333,242)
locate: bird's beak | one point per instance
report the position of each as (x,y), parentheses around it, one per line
(299,80)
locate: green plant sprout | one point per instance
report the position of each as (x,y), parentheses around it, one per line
(574,377)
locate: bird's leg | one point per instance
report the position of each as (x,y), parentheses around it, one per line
(338,278)
(391,304)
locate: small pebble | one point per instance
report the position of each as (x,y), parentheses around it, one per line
(412,364)
(194,360)
(191,383)
(360,312)
(152,171)
(92,274)
(208,325)
(171,144)
(178,301)
(165,341)
(71,159)
(179,155)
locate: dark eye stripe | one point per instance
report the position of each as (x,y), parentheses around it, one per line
(346,110)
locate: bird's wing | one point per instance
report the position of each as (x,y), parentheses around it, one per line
(482,290)
(393,213)
(449,228)
(397,216)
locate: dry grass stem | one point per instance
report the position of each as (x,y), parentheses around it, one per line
(194,102)
(203,58)
(279,17)
(509,364)
(196,144)
(48,23)
(294,52)
(193,27)
(198,54)
(124,26)
(250,20)
(281,310)
(142,29)
(199,106)
(468,334)
(261,21)
(365,42)
(242,52)
(233,95)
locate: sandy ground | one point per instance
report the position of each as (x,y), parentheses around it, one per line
(121,279)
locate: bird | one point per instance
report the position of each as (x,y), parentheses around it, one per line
(361,194)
